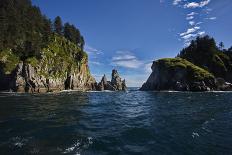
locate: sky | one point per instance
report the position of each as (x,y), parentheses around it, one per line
(128,35)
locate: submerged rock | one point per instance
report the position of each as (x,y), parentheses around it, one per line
(179,75)
(116,83)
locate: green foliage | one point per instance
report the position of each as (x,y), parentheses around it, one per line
(61,57)
(73,35)
(33,61)
(195,73)
(23,28)
(27,35)
(58,26)
(8,60)
(204,53)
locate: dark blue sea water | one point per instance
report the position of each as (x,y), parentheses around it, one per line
(111,123)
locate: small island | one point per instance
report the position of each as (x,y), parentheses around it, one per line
(202,66)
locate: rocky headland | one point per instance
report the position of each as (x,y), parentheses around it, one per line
(200,67)
(38,54)
(59,68)
(179,75)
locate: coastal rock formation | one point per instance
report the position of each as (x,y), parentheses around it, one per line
(116,83)
(179,75)
(62,66)
(26,78)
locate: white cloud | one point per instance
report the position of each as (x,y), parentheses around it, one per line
(192,14)
(188,36)
(201,10)
(201,33)
(189,17)
(123,57)
(91,50)
(148,67)
(126,59)
(197,5)
(198,23)
(190,30)
(212,18)
(95,63)
(176,2)
(191,23)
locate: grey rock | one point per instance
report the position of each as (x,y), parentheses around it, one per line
(26,78)
(175,78)
(116,84)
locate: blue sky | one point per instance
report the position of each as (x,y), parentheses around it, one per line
(129,34)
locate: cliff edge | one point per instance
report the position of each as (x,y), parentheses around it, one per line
(179,75)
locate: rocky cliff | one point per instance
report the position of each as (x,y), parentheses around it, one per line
(179,75)
(62,66)
(116,83)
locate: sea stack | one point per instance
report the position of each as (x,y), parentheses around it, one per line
(116,83)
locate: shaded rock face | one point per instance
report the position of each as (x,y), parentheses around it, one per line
(116,83)
(222,85)
(26,78)
(177,77)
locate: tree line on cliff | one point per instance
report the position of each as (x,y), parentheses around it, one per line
(26,31)
(204,52)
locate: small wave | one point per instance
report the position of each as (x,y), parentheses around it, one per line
(19,142)
(78,145)
(73,148)
(195,134)
(104,91)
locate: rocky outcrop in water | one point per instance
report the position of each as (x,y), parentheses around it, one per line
(179,75)
(26,78)
(116,83)
(61,66)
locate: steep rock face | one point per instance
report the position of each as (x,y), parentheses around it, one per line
(116,84)
(26,78)
(62,66)
(180,75)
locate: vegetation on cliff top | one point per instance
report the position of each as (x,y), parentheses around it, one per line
(27,35)
(195,73)
(204,53)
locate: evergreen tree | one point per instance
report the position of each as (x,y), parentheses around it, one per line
(221,46)
(73,34)
(58,26)
(204,52)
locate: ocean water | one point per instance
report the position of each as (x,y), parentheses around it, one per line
(132,122)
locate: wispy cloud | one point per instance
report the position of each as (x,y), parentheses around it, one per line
(187,38)
(211,18)
(91,50)
(197,5)
(126,59)
(199,11)
(190,30)
(192,14)
(137,69)
(189,17)
(176,2)
(95,63)
(191,23)
(148,67)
